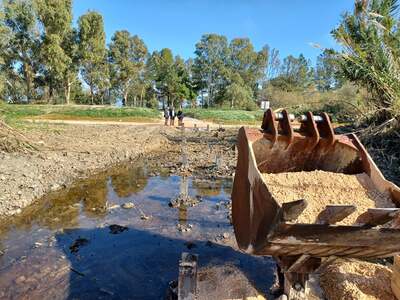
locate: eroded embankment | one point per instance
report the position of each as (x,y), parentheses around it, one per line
(65,154)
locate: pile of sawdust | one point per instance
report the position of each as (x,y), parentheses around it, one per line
(320,188)
(353,279)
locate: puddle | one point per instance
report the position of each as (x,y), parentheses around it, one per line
(81,243)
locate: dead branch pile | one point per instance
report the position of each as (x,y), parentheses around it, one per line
(11,140)
(383,143)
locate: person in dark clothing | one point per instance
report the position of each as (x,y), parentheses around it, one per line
(166,116)
(180,117)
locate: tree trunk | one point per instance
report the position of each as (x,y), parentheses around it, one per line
(67,91)
(91,94)
(125,100)
(141,96)
(28,79)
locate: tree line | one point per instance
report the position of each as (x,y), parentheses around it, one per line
(45,59)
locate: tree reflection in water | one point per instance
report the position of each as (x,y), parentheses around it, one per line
(129,181)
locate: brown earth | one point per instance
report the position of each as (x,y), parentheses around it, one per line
(57,155)
(320,188)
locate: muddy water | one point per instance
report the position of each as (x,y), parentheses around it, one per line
(81,244)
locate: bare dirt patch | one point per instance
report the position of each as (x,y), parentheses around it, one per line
(321,188)
(64,154)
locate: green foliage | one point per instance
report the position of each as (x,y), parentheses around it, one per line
(127,55)
(93,54)
(14,113)
(58,49)
(327,71)
(371,56)
(171,77)
(239,96)
(226,116)
(343,104)
(21,48)
(295,74)
(225,71)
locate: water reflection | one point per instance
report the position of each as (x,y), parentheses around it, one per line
(129,180)
(212,188)
(137,263)
(184,193)
(95,198)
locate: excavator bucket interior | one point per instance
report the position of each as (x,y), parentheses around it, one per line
(262,224)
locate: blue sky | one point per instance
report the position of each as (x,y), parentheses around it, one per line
(288,25)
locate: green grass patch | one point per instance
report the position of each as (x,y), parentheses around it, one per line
(13,113)
(226,116)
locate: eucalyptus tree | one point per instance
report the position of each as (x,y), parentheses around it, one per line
(248,63)
(327,74)
(295,74)
(20,54)
(59,48)
(210,65)
(127,56)
(93,54)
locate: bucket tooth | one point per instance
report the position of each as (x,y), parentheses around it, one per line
(325,129)
(270,126)
(335,213)
(286,127)
(309,128)
(292,210)
(377,216)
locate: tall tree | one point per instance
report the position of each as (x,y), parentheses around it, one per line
(273,64)
(209,70)
(327,74)
(58,48)
(127,55)
(93,53)
(248,63)
(295,74)
(23,44)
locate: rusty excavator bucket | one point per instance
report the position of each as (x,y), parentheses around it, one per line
(264,226)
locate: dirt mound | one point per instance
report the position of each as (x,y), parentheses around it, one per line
(352,279)
(11,140)
(322,188)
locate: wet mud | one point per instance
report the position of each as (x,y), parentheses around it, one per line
(115,236)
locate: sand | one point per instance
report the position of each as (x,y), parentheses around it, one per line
(322,188)
(354,279)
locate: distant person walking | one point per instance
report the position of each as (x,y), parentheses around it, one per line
(172,116)
(180,117)
(166,116)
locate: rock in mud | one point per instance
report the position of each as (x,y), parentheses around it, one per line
(184,228)
(116,229)
(144,217)
(77,244)
(183,200)
(190,245)
(128,205)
